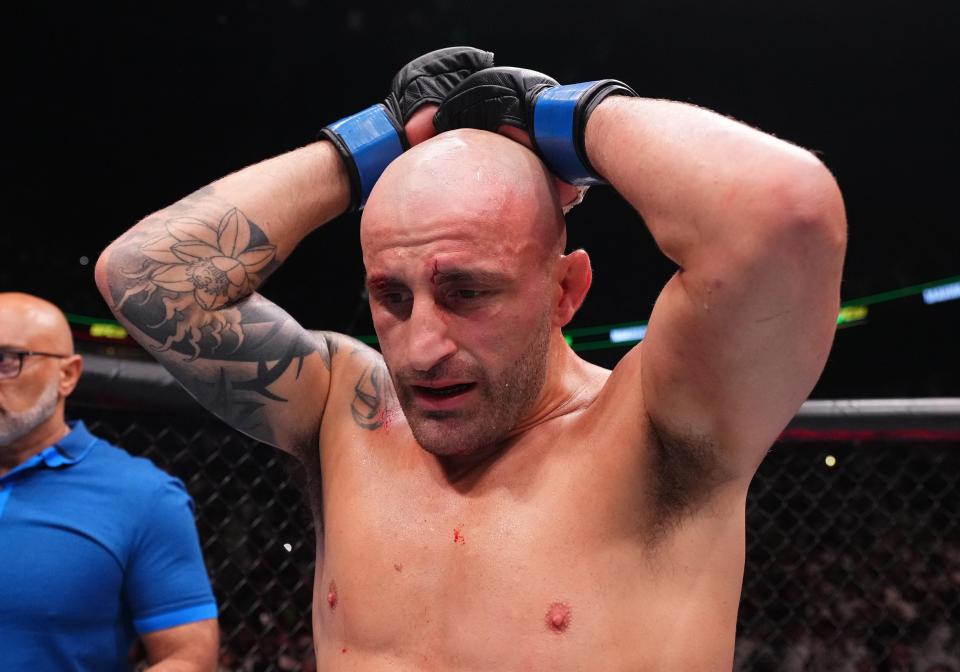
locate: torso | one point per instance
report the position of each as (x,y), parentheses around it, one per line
(549,557)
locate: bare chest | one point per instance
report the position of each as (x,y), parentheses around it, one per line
(527,570)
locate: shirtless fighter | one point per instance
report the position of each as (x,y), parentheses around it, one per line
(484,498)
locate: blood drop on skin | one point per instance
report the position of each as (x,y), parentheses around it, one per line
(558,617)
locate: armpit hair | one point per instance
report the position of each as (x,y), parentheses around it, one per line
(685,471)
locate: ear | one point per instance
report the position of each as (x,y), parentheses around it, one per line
(70,370)
(575,276)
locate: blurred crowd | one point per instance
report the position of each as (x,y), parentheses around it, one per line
(851,614)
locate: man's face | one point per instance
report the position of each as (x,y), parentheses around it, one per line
(460,293)
(31,398)
(17,424)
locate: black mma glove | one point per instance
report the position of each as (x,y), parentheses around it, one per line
(554,116)
(369,140)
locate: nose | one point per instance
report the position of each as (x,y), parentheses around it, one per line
(429,340)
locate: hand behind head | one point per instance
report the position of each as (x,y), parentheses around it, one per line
(420,126)
(568,194)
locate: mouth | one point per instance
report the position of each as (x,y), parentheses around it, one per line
(442,391)
(442,397)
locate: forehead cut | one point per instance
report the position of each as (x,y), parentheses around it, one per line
(463,178)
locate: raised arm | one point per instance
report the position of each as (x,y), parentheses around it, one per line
(183,280)
(740,334)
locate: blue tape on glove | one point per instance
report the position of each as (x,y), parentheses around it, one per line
(373,141)
(553,132)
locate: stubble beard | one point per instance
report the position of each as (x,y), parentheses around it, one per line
(15,426)
(504,399)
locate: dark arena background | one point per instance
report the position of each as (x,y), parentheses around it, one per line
(853,560)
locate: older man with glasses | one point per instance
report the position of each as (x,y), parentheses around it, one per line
(96,547)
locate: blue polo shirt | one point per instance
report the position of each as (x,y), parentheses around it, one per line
(95,547)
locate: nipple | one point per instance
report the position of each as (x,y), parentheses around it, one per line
(558,617)
(332,596)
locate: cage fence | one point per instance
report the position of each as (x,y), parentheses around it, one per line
(852,558)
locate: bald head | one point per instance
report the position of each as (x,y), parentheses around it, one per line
(463,239)
(471,176)
(34,323)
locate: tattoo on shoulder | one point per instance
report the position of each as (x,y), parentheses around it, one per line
(374,401)
(182,288)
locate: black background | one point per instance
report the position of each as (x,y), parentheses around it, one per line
(115,110)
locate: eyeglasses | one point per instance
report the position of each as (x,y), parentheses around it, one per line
(11,361)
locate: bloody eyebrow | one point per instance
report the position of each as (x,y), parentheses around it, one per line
(381,282)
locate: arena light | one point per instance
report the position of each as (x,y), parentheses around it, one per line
(613,335)
(627,334)
(851,314)
(883,297)
(101,330)
(941,293)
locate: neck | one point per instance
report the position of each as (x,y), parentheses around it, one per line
(571,385)
(45,434)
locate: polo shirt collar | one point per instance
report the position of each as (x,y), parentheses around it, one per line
(67,451)
(70,449)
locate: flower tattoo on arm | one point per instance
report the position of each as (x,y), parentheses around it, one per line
(187,283)
(200,265)
(215,264)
